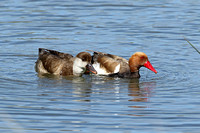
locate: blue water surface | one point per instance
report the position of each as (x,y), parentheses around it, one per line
(155,103)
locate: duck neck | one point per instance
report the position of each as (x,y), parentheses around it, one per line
(134,67)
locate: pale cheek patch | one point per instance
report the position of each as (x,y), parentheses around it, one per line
(78,66)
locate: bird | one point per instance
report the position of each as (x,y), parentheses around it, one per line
(116,66)
(58,63)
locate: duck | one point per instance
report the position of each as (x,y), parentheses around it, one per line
(116,66)
(58,63)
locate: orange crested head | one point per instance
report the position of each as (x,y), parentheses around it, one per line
(138,60)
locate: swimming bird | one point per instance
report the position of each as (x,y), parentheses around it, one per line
(58,63)
(112,65)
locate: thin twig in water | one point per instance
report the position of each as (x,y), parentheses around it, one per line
(192,45)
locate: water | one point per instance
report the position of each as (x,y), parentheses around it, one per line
(163,102)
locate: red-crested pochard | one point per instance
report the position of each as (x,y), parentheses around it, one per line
(112,65)
(57,63)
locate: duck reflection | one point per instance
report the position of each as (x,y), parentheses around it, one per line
(140,92)
(77,87)
(82,88)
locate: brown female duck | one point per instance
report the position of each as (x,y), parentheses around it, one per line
(57,63)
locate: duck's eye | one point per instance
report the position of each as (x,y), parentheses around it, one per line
(142,57)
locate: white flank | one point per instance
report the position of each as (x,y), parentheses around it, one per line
(102,71)
(78,66)
(117,68)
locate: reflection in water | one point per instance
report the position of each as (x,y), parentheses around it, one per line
(49,76)
(140,91)
(79,87)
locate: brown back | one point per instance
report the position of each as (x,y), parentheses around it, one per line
(56,53)
(109,62)
(56,62)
